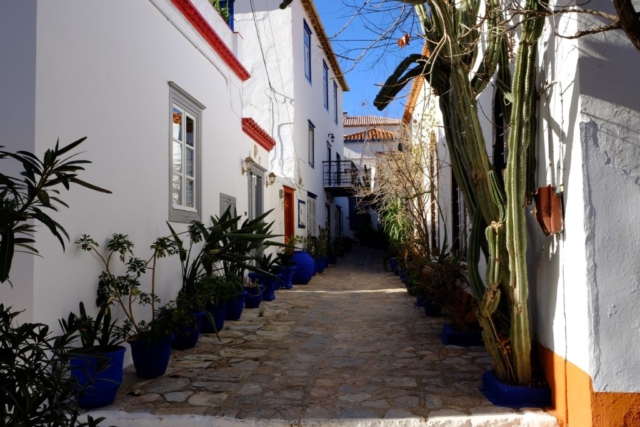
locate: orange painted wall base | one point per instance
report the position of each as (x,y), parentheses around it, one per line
(575,404)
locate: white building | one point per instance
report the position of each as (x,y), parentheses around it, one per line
(583,281)
(366,138)
(295,93)
(156,86)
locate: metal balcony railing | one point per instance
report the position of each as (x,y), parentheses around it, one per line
(342,173)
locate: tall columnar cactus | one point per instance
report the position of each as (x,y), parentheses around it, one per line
(452,39)
(518,185)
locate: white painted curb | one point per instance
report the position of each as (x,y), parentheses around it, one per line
(447,418)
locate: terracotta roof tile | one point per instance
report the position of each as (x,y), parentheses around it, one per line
(259,135)
(356,121)
(374,134)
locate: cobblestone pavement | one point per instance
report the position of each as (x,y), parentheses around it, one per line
(349,345)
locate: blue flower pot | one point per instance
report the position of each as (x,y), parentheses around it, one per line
(253,297)
(393,263)
(151,358)
(319,265)
(462,339)
(187,336)
(269,287)
(432,310)
(99,376)
(268,283)
(286,274)
(217,312)
(233,309)
(306,267)
(501,394)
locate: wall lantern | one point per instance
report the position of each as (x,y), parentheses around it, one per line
(248,165)
(271,179)
(332,137)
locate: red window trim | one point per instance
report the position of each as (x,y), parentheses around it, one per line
(259,135)
(202,26)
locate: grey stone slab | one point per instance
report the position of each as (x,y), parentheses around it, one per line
(166,385)
(177,396)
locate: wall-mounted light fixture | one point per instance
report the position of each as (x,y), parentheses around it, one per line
(271,179)
(247,165)
(332,137)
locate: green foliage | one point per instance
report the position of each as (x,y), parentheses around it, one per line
(124,289)
(322,242)
(227,248)
(452,32)
(36,388)
(27,200)
(223,11)
(222,289)
(100,330)
(285,259)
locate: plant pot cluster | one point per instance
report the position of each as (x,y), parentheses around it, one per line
(496,391)
(212,291)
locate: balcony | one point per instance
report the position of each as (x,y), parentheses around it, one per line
(342,178)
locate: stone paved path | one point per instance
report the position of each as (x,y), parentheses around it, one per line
(350,345)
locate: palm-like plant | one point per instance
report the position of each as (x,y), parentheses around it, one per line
(27,199)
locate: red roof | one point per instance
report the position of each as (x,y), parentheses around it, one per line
(259,135)
(374,134)
(357,121)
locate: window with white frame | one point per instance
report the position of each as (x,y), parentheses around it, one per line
(186,112)
(256,191)
(311,143)
(335,102)
(325,85)
(307,51)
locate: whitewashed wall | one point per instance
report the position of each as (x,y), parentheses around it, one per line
(286,109)
(609,118)
(17,121)
(111,84)
(557,264)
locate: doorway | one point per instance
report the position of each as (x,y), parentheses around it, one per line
(289,213)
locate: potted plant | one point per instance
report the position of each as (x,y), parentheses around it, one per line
(254,293)
(234,307)
(97,365)
(321,249)
(305,266)
(286,268)
(150,341)
(221,290)
(267,267)
(188,316)
(226,250)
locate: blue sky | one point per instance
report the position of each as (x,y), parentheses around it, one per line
(377,63)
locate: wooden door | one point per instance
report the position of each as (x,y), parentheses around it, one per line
(289,214)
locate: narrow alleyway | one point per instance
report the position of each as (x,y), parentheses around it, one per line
(349,348)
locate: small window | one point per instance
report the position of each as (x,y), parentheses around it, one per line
(185,137)
(312,145)
(307,51)
(335,102)
(325,85)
